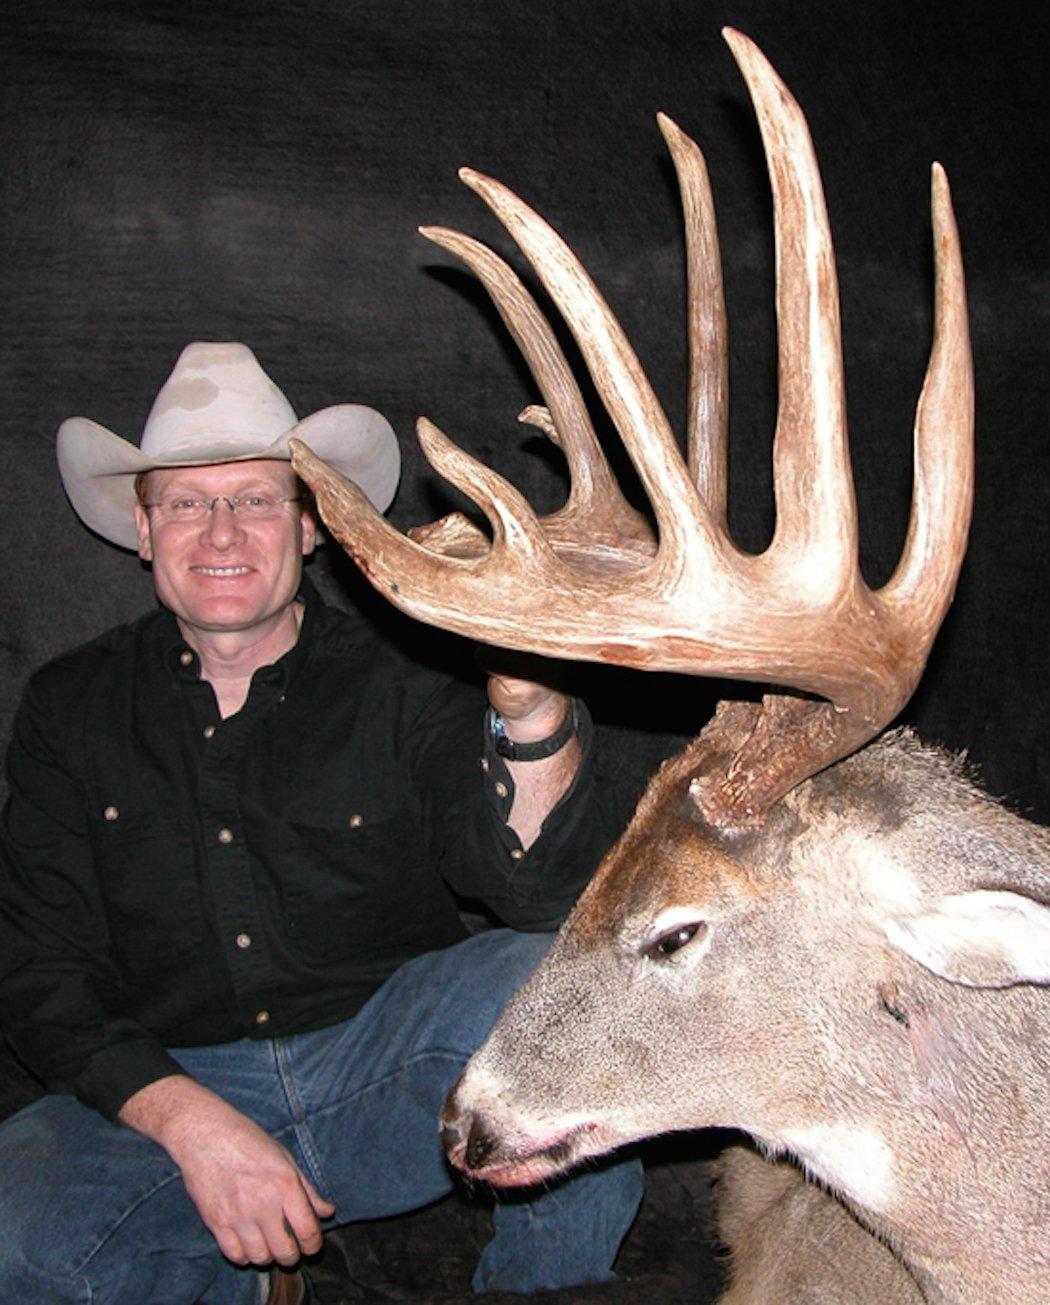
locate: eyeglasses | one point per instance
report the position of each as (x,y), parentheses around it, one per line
(186,509)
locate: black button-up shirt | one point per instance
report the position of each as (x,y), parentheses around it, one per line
(175,879)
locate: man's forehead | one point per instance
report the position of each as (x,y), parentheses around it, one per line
(224,475)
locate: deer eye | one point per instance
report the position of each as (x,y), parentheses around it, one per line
(673,940)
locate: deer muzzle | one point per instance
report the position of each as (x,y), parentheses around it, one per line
(502,1148)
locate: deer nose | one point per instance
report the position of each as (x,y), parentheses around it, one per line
(455,1125)
(468,1140)
(480,1145)
(451,1138)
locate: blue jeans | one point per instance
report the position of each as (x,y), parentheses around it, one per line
(93,1212)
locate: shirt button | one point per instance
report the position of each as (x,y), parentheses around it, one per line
(111,813)
(244,940)
(516,853)
(501,788)
(225,835)
(186,658)
(263,1017)
(485,764)
(356,821)
(209,730)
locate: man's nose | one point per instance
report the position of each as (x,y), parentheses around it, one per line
(221,527)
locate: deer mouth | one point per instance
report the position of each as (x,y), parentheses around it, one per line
(480,1153)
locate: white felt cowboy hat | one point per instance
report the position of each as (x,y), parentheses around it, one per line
(218,405)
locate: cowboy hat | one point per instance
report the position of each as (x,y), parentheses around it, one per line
(218,405)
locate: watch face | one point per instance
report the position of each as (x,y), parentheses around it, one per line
(504,747)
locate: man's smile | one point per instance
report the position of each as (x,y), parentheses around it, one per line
(221,572)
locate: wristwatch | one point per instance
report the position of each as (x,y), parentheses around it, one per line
(547,747)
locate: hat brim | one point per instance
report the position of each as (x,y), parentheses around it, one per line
(98,468)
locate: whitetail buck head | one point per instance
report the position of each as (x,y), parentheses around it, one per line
(842,960)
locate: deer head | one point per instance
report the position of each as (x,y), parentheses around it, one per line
(594,582)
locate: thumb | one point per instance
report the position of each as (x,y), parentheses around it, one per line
(324,1209)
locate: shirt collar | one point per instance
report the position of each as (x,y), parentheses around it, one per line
(183,663)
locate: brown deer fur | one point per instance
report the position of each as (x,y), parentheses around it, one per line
(790,1241)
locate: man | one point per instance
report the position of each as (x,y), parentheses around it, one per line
(230,949)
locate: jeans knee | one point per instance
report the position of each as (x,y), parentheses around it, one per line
(480,976)
(30,1189)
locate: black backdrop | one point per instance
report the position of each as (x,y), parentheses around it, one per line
(225,170)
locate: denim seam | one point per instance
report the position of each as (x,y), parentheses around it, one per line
(300,1118)
(304,1127)
(117,1223)
(459,1056)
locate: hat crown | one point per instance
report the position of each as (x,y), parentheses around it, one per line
(218,405)
(215,391)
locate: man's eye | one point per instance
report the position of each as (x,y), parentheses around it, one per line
(257,505)
(673,940)
(184,505)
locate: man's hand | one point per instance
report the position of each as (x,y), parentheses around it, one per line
(248,1190)
(531,711)
(531,708)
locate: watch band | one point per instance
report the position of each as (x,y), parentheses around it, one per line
(547,747)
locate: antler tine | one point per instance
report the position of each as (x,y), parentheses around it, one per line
(517,535)
(682,519)
(381,551)
(816,530)
(926,575)
(517,553)
(707,418)
(595,503)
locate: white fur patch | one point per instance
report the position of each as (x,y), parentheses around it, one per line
(851,1158)
(674,916)
(884,880)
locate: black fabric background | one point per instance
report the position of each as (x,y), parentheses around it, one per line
(216,169)
(226,170)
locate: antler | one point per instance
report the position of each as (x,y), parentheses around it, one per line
(590,582)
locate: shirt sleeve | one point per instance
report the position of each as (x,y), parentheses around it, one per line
(62,1008)
(469,792)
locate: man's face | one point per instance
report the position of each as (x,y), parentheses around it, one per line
(225,574)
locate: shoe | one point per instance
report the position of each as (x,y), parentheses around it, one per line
(288,1287)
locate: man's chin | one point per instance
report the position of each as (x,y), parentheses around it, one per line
(227,618)
(227,610)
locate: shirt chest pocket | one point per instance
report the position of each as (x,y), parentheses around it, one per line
(149,888)
(348,890)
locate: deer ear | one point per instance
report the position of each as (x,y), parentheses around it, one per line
(983,939)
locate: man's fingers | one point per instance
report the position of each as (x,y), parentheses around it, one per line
(256,1243)
(301,1220)
(323,1208)
(280,1242)
(516,699)
(230,1245)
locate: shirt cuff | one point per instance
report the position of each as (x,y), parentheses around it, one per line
(115,1074)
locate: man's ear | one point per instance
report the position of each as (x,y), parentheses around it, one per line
(142,526)
(983,939)
(307,532)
